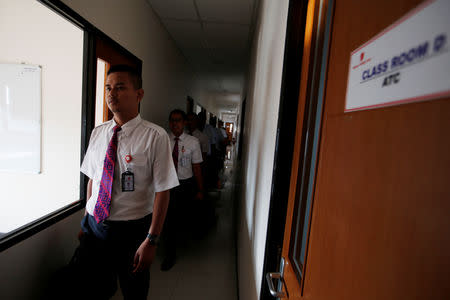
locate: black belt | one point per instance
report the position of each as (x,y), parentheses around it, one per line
(184,181)
(138,222)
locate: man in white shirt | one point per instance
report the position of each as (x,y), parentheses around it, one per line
(222,144)
(130,172)
(187,158)
(192,127)
(223,131)
(211,166)
(211,132)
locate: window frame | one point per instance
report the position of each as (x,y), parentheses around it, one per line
(91,33)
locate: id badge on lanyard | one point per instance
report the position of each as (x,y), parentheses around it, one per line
(128,176)
(184,158)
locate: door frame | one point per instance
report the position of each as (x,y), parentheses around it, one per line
(285,139)
(299,114)
(112,53)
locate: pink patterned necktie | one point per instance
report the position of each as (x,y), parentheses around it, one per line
(101,211)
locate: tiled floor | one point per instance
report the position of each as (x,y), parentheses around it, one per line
(205,268)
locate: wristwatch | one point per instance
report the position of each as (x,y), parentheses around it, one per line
(153,239)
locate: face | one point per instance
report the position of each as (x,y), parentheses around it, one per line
(121,96)
(191,122)
(201,121)
(176,124)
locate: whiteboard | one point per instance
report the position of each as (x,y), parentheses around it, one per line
(20,118)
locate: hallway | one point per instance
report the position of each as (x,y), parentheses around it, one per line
(201,56)
(206,266)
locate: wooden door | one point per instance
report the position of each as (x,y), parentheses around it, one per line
(318,19)
(378,190)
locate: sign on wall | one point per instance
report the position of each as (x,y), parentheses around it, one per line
(407,62)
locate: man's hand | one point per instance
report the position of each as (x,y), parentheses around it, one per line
(144,256)
(146,253)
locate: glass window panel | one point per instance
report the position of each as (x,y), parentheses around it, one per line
(42,37)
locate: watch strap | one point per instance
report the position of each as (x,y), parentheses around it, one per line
(153,239)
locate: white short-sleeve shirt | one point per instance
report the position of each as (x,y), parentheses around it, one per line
(223,132)
(211,133)
(203,139)
(151,163)
(188,153)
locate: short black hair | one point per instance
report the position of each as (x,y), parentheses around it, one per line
(177,111)
(192,114)
(135,76)
(213,121)
(202,115)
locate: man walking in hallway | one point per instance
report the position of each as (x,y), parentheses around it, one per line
(128,195)
(193,129)
(187,158)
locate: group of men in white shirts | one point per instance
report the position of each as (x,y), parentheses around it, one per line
(134,167)
(195,154)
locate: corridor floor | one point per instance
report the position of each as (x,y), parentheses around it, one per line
(205,267)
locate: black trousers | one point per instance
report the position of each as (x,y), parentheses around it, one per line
(99,262)
(211,169)
(177,218)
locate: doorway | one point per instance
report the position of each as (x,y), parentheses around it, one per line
(109,53)
(367,214)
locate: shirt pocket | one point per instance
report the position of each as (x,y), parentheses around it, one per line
(138,160)
(139,167)
(186,158)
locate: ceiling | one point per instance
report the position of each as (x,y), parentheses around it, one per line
(214,36)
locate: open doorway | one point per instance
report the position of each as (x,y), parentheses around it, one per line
(108,53)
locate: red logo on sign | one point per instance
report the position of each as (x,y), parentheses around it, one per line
(362,61)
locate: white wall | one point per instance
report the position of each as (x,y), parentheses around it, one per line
(263,97)
(208,102)
(167,78)
(217,102)
(26,267)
